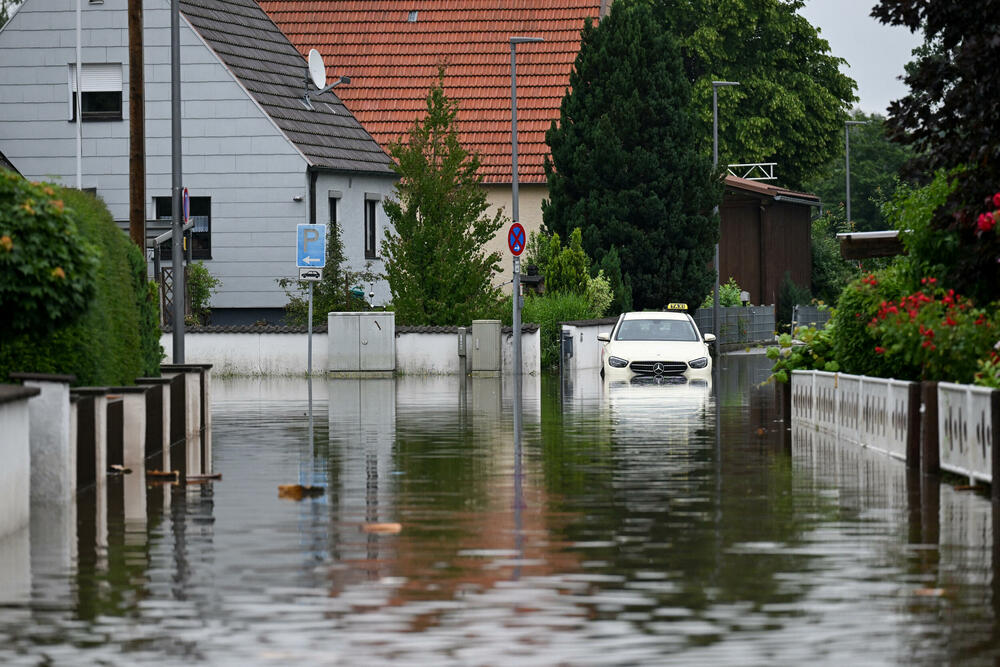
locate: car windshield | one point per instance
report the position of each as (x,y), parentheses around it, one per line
(659,329)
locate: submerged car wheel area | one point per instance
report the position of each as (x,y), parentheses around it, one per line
(656,344)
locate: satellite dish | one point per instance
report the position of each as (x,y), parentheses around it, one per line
(317,69)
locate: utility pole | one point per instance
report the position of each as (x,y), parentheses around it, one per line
(137,129)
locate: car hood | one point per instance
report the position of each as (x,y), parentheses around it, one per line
(642,350)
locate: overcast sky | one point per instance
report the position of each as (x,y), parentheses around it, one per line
(875,52)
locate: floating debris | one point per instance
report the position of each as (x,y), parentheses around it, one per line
(197,479)
(116,469)
(929,592)
(299,491)
(382,528)
(162,475)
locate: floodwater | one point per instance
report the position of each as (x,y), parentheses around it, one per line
(628,525)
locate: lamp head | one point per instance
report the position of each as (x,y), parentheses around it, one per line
(525,40)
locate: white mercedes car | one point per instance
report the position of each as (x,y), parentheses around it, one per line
(654,345)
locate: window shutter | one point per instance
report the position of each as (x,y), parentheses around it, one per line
(97,77)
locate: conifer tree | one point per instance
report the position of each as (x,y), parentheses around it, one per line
(435,264)
(626,167)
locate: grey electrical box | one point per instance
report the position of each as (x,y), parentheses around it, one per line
(462,334)
(485,344)
(361,342)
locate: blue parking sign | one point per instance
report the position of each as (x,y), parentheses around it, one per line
(311,246)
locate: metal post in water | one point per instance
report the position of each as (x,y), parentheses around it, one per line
(309,356)
(177,237)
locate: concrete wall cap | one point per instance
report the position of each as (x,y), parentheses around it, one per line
(43,377)
(15,392)
(89,391)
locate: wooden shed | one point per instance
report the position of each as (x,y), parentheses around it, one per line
(764,233)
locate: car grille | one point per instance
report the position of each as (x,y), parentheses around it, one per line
(658,367)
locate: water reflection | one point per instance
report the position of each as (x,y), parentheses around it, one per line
(620,524)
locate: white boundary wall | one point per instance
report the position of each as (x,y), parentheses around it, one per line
(869,412)
(965,430)
(277,354)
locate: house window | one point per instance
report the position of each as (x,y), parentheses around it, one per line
(102,91)
(200,234)
(371,208)
(333,198)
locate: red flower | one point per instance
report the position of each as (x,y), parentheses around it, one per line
(949,322)
(996,200)
(879,350)
(985,222)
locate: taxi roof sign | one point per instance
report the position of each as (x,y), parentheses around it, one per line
(677,306)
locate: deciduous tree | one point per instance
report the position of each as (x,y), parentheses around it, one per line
(437,270)
(792,99)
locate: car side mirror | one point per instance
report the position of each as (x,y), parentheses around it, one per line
(604,338)
(709,338)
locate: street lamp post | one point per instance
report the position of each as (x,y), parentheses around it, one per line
(515,214)
(715,163)
(847,162)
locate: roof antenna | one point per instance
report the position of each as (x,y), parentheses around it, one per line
(317,74)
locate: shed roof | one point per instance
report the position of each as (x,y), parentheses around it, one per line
(767,190)
(391,49)
(274,72)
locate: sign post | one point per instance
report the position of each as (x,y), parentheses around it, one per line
(516,241)
(310,257)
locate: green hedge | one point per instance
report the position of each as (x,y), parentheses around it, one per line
(117,337)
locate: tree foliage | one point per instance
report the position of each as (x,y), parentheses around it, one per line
(626,167)
(792,99)
(949,118)
(434,261)
(876,164)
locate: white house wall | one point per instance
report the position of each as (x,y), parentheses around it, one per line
(232,151)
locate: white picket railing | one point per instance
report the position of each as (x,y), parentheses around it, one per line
(965,430)
(869,412)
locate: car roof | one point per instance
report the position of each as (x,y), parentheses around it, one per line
(656,315)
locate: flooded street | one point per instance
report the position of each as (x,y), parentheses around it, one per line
(630,524)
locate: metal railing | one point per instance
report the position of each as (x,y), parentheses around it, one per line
(738,324)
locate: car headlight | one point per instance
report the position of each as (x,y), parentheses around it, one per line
(617,362)
(700,362)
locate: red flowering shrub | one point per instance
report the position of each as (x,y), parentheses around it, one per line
(934,334)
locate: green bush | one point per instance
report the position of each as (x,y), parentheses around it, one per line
(200,286)
(113,338)
(729,295)
(47,264)
(789,296)
(548,310)
(854,341)
(830,271)
(811,349)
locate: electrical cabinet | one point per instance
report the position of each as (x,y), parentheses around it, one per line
(361,342)
(485,343)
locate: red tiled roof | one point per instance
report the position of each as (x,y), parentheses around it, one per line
(393,61)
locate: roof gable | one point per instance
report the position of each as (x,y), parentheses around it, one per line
(252,47)
(393,60)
